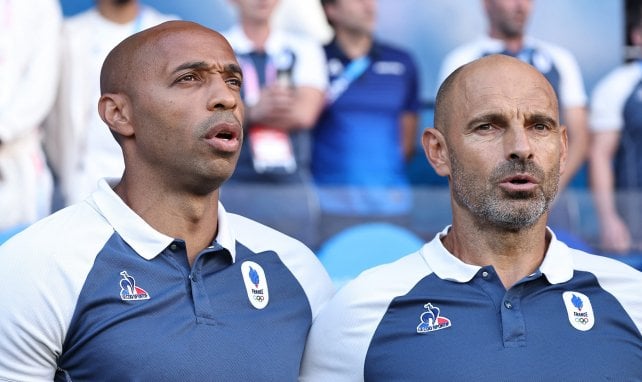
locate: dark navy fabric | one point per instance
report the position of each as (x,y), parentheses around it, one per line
(628,160)
(201,314)
(542,62)
(357,139)
(498,334)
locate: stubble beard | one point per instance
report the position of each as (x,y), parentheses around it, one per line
(494,206)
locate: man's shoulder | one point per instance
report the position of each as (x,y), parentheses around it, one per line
(389,50)
(299,260)
(258,234)
(83,19)
(621,78)
(73,224)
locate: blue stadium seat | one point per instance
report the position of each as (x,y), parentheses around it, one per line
(363,246)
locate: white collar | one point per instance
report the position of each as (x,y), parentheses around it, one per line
(557,265)
(137,233)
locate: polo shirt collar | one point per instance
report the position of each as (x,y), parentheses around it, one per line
(557,265)
(137,233)
(334,50)
(243,45)
(489,44)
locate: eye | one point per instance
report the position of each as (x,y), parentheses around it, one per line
(234,82)
(190,77)
(484,127)
(541,127)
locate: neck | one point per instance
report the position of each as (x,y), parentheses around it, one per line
(120,14)
(353,44)
(513,254)
(178,214)
(257,32)
(513,43)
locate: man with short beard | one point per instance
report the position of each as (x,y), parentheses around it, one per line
(494,296)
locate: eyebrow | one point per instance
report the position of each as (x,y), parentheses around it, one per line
(202,65)
(541,118)
(500,118)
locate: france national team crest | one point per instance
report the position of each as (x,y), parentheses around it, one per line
(129,290)
(579,309)
(432,320)
(255,284)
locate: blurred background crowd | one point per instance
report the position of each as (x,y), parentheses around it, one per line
(337,94)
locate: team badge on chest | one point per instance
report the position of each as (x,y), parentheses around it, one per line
(579,309)
(129,291)
(255,284)
(432,320)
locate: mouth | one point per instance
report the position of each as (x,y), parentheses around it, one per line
(224,137)
(519,182)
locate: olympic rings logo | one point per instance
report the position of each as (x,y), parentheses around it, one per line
(259,298)
(582,320)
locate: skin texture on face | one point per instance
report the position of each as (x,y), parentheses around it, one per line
(172,96)
(499,141)
(256,10)
(507,18)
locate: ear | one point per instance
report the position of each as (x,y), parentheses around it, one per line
(115,111)
(436,150)
(563,149)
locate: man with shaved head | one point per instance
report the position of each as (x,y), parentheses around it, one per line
(494,296)
(150,278)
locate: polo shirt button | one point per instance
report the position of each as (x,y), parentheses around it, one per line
(485,274)
(172,247)
(508,305)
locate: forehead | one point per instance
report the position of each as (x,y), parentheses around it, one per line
(505,88)
(178,47)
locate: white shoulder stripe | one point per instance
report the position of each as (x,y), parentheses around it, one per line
(337,338)
(618,279)
(298,258)
(43,271)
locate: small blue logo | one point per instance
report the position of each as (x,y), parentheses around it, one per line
(254,277)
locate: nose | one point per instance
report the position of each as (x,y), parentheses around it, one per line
(221,96)
(518,144)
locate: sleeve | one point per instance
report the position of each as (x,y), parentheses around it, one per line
(572,92)
(338,340)
(42,272)
(32,96)
(456,58)
(31,333)
(608,100)
(412,103)
(340,337)
(310,67)
(66,120)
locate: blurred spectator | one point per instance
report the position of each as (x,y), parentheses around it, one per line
(616,149)
(79,145)
(507,21)
(284,80)
(303,16)
(29,49)
(368,129)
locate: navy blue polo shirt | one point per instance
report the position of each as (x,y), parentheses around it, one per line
(97,294)
(429,316)
(357,139)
